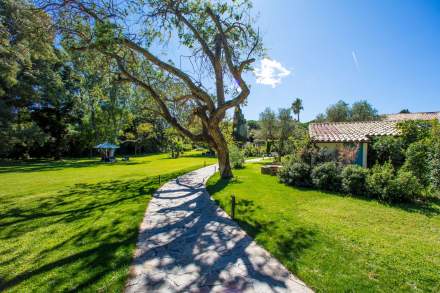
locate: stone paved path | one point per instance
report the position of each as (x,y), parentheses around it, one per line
(188,244)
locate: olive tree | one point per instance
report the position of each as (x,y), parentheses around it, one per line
(216,41)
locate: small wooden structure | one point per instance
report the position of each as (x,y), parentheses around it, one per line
(107,151)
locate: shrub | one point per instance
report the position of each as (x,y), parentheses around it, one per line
(251,150)
(415,130)
(388,148)
(379,179)
(417,160)
(435,166)
(404,187)
(353,179)
(434,156)
(295,173)
(385,185)
(236,157)
(327,176)
(176,147)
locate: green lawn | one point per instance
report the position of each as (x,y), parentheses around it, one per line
(336,243)
(73,225)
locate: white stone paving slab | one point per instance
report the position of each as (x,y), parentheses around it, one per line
(188,244)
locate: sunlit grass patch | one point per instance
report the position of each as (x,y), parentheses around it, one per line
(73,227)
(337,243)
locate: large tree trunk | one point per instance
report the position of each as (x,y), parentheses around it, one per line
(221,147)
(224,164)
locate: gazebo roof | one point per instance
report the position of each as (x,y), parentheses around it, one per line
(106,145)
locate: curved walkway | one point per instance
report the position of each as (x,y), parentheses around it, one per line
(188,244)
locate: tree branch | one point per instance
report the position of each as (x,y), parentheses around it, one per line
(214,58)
(198,92)
(236,73)
(165,113)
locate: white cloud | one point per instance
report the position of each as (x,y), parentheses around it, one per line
(270,72)
(355,60)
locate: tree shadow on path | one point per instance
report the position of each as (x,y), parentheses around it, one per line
(189,243)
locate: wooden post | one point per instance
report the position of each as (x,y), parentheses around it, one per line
(233,207)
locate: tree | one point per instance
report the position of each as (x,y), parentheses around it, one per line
(297,106)
(239,127)
(341,112)
(253,125)
(363,111)
(338,112)
(142,132)
(174,142)
(320,118)
(219,37)
(404,111)
(55,111)
(253,129)
(285,128)
(268,127)
(37,85)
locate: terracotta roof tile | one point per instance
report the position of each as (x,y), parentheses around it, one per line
(351,131)
(412,116)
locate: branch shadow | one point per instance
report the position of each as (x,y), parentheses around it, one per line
(289,244)
(191,244)
(47,165)
(95,250)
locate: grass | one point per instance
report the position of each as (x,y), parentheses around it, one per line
(73,225)
(336,243)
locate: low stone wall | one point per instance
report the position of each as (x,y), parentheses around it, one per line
(270,169)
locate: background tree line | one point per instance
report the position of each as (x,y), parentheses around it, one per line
(342,112)
(58,102)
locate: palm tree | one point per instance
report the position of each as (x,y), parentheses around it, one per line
(297,106)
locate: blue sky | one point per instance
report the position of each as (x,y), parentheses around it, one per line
(387,52)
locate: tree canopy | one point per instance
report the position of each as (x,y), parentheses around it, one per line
(342,111)
(297,107)
(219,44)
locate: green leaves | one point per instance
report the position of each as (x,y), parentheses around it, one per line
(107,36)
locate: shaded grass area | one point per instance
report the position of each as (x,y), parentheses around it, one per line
(336,243)
(80,234)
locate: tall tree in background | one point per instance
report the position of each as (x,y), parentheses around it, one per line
(55,111)
(239,126)
(338,112)
(268,123)
(341,112)
(37,88)
(297,107)
(363,111)
(218,37)
(285,128)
